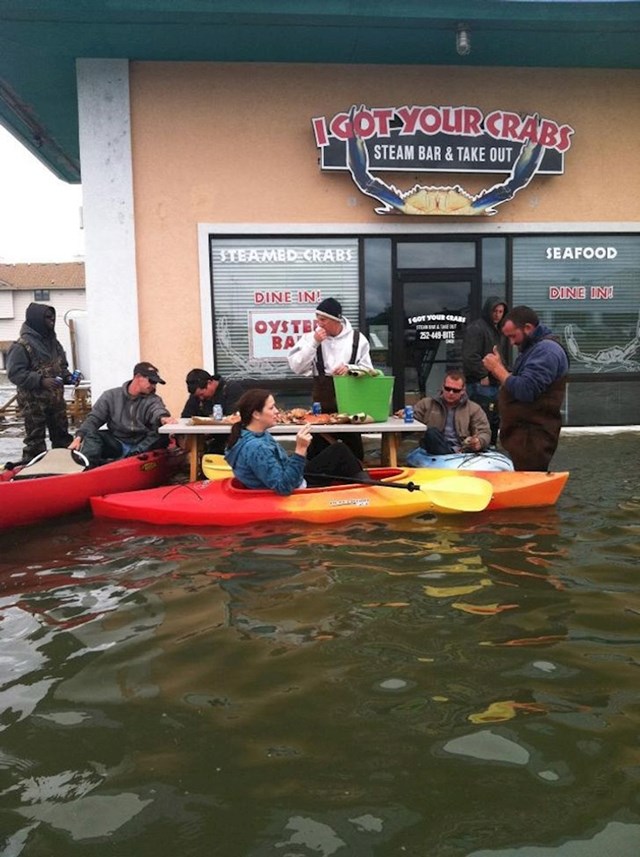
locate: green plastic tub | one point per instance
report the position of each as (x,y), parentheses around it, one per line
(366,394)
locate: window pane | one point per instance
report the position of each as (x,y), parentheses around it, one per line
(437,254)
(377,294)
(585,289)
(494,257)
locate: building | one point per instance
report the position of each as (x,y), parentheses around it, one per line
(60,285)
(408,158)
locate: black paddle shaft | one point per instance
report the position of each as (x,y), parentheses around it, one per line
(406,486)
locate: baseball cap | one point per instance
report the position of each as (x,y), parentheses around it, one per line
(149,371)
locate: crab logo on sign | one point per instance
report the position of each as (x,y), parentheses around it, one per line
(445,139)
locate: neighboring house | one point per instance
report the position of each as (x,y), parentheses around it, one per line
(60,285)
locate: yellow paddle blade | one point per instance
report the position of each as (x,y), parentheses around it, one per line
(459,493)
(215,467)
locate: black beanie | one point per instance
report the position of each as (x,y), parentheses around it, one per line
(331,308)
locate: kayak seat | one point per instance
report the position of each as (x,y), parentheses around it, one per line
(54,462)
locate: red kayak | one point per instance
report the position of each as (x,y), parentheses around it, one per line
(27,501)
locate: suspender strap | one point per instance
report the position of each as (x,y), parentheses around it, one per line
(320,357)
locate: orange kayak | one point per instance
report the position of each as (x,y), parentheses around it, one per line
(223,502)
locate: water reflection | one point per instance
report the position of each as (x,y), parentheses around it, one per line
(455,686)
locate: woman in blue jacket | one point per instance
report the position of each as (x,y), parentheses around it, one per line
(258,461)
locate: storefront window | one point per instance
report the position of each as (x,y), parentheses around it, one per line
(494,267)
(585,287)
(265,291)
(377,290)
(437,254)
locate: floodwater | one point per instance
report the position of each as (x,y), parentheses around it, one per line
(460,686)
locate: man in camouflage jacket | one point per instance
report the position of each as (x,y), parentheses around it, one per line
(37,365)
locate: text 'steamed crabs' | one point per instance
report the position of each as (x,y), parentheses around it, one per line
(439,200)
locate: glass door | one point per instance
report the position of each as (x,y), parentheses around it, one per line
(431,310)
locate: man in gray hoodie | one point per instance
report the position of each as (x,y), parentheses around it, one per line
(132,413)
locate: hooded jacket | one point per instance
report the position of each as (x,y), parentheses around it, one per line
(37,354)
(468,417)
(479,339)
(335,351)
(258,461)
(133,420)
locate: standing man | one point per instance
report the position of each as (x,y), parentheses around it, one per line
(37,365)
(132,413)
(481,337)
(333,348)
(531,395)
(454,424)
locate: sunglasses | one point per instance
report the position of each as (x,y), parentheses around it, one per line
(452,389)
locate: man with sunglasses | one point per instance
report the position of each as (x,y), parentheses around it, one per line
(132,413)
(454,423)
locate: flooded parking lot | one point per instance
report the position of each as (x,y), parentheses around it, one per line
(447,686)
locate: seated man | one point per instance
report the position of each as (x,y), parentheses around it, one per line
(132,413)
(454,423)
(205,391)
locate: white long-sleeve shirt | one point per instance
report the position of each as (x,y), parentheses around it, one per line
(336,350)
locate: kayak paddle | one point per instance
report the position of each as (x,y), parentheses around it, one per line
(456,493)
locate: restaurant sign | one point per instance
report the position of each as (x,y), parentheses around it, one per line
(440,139)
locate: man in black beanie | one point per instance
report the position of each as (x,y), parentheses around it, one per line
(332,348)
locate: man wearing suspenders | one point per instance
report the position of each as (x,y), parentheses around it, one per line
(332,348)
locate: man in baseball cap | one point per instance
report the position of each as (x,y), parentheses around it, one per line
(148,370)
(132,413)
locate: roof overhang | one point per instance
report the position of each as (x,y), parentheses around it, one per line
(40,42)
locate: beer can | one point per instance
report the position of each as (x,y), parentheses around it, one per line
(217,412)
(316,408)
(408,414)
(59,381)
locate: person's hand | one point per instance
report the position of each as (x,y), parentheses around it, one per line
(319,334)
(303,439)
(342,369)
(76,443)
(50,384)
(472,443)
(492,361)
(168,421)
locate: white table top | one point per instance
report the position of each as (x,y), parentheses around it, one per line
(393,424)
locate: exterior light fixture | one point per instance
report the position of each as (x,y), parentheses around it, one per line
(463,40)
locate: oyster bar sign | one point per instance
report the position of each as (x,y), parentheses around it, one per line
(440,139)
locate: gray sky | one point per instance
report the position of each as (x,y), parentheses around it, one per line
(39,213)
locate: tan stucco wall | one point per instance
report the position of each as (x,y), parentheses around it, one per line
(233,143)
